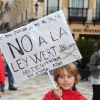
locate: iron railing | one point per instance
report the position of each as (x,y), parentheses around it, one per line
(77,13)
(96,15)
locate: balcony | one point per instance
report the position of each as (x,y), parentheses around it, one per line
(77,14)
(96,16)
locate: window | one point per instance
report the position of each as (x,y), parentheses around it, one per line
(78,3)
(98,9)
(52,6)
(78,8)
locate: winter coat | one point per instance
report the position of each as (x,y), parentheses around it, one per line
(93,65)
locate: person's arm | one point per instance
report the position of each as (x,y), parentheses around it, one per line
(92,63)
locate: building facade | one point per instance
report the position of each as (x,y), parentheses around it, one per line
(83,16)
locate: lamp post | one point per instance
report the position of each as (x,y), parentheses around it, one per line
(36,7)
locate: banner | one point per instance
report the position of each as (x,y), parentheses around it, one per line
(28,57)
(42,45)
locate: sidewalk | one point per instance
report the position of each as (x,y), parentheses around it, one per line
(35,88)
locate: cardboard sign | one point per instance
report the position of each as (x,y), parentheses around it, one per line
(39,46)
(26,56)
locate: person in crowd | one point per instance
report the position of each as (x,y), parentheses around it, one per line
(66,78)
(94,66)
(2,71)
(10,77)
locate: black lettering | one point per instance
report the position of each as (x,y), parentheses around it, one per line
(37,24)
(8,35)
(52,37)
(62,32)
(41,40)
(24,29)
(18,63)
(54,52)
(20,51)
(62,47)
(48,51)
(26,61)
(77,30)
(13,68)
(41,65)
(25,72)
(32,68)
(41,71)
(25,36)
(43,22)
(30,27)
(37,67)
(51,19)
(57,64)
(36,58)
(43,53)
(30,75)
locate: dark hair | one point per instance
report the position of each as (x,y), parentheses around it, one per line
(98,46)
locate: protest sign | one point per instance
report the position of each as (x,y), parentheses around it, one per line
(44,44)
(56,29)
(26,56)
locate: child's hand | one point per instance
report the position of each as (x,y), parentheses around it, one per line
(57,92)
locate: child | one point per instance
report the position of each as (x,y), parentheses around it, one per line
(66,78)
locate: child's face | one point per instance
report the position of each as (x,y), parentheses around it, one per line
(66,80)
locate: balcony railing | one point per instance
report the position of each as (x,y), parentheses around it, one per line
(96,16)
(77,14)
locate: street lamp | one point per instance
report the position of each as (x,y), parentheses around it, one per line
(36,7)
